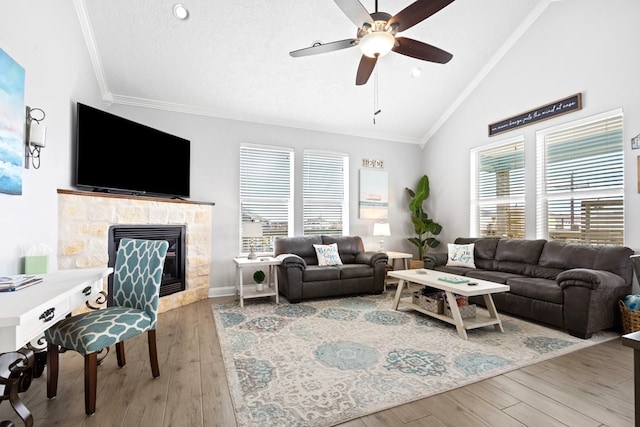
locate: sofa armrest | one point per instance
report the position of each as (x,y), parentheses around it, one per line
(436,259)
(292,261)
(371,258)
(588,278)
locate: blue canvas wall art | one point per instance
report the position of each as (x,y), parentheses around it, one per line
(12,119)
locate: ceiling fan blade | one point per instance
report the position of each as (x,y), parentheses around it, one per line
(355,11)
(419,50)
(324,48)
(367,64)
(417,12)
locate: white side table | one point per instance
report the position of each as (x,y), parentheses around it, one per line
(393,256)
(249,291)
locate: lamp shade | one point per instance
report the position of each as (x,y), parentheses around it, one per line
(381,229)
(377,43)
(251,229)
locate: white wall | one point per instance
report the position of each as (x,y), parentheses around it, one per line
(586,46)
(45,38)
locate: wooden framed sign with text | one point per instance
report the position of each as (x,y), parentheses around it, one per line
(557,108)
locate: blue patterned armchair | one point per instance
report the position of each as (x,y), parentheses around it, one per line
(136,284)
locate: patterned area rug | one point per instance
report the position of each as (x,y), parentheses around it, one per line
(324,362)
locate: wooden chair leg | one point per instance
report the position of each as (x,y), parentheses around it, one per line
(52,370)
(120,354)
(90,382)
(153,353)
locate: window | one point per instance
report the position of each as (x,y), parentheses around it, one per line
(325,193)
(497,189)
(266,193)
(580,181)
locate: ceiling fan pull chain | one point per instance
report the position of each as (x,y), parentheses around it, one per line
(376,109)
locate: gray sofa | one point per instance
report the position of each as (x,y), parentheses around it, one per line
(571,286)
(300,277)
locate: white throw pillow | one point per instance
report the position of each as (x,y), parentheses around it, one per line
(461,255)
(328,254)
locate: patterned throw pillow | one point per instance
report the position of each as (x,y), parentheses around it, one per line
(461,255)
(328,254)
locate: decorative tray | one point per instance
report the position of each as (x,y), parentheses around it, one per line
(453,280)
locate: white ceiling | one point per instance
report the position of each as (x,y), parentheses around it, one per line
(230,59)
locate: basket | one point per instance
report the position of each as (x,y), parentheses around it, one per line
(466,311)
(630,318)
(429,302)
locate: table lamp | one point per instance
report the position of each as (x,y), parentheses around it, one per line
(381,229)
(251,230)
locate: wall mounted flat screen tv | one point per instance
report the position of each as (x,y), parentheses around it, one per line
(114,154)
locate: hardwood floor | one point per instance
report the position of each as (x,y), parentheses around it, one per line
(591,387)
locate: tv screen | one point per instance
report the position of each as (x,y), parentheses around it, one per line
(114,154)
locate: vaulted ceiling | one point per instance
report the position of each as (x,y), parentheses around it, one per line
(230,59)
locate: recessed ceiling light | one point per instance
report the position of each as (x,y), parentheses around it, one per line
(416,71)
(180,11)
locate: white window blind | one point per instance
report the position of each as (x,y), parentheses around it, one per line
(325,194)
(266,193)
(580,178)
(498,189)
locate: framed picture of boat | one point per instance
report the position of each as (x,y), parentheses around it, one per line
(373,202)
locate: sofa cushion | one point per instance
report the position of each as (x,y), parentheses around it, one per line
(351,271)
(536,288)
(566,256)
(301,246)
(327,254)
(493,276)
(314,273)
(484,251)
(460,255)
(348,246)
(460,271)
(518,250)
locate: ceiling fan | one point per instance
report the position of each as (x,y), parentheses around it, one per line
(376,35)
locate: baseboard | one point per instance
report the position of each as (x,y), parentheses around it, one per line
(226,291)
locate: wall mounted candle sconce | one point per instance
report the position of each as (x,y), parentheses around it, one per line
(35,137)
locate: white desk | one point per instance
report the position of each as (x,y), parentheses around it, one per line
(25,315)
(249,291)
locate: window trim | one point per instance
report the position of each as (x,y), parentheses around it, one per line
(345,185)
(542,198)
(474,201)
(290,201)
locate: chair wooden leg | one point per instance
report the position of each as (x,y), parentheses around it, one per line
(120,354)
(52,370)
(153,353)
(90,382)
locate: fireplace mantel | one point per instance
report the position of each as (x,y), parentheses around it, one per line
(131,196)
(84,218)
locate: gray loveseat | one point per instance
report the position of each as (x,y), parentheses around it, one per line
(300,277)
(571,286)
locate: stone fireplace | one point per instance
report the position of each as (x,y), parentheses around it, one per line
(85,219)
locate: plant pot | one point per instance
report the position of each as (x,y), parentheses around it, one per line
(415,264)
(260,287)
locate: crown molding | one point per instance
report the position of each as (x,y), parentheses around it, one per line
(87,31)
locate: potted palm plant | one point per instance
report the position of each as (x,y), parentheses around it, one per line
(425,228)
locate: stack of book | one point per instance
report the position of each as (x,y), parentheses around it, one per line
(17,282)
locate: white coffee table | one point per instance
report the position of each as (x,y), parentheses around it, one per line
(431,278)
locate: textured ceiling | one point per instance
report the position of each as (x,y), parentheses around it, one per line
(230,59)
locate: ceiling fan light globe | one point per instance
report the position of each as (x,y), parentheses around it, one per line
(377,43)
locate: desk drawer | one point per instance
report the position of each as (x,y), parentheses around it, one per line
(39,321)
(88,293)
